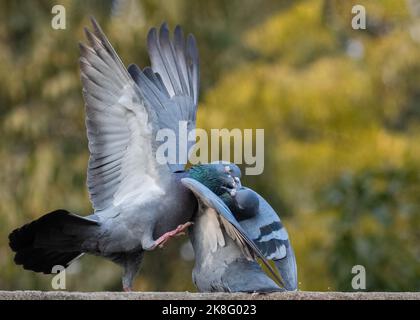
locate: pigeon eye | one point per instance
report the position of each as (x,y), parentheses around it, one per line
(227,169)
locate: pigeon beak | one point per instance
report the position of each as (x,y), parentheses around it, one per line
(238,183)
(236,186)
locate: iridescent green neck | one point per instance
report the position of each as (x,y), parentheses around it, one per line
(209,176)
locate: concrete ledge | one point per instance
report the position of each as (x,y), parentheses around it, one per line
(300,295)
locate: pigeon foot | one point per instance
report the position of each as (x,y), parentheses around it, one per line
(179,231)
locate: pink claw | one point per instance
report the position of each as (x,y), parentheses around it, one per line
(180,230)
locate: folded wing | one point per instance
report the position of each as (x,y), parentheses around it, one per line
(271,237)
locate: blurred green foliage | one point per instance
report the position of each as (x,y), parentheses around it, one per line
(340,109)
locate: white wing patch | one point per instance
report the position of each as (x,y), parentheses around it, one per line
(137,175)
(280,253)
(278,234)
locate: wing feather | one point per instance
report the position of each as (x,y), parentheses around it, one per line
(170,86)
(120,128)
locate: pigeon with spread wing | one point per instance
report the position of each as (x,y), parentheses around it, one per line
(139,202)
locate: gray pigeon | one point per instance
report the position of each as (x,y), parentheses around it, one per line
(138,203)
(223,264)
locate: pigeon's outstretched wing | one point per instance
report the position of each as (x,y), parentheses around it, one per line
(271,237)
(121,128)
(210,201)
(171,86)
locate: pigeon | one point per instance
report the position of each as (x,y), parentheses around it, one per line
(139,203)
(223,264)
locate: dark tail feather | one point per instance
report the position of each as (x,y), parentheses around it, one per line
(44,260)
(54,239)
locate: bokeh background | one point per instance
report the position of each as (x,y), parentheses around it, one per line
(340,109)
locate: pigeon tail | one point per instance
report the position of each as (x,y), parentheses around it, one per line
(54,239)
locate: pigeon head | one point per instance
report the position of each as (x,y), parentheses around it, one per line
(243,203)
(219,177)
(227,167)
(223,178)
